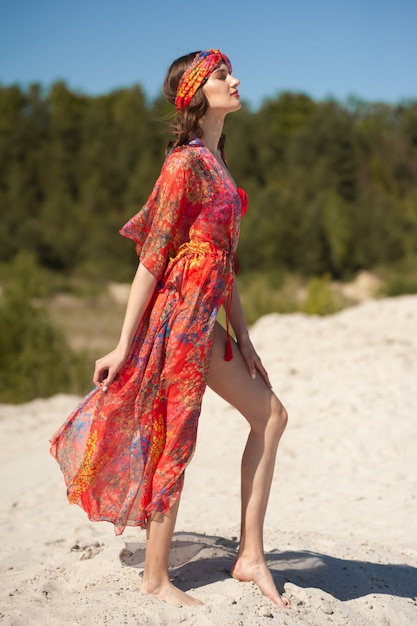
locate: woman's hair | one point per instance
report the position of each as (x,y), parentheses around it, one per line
(186,124)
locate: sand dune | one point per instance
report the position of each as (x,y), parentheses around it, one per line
(340,534)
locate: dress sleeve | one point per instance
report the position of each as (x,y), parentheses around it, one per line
(154,228)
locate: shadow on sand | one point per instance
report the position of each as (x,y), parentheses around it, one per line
(204,559)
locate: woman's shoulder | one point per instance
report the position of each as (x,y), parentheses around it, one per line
(186,157)
(190,150)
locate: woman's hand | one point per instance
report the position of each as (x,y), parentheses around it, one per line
(238,323)
(107,368)
(143,286)
(253,360)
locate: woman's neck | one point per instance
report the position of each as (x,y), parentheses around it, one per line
(212,130)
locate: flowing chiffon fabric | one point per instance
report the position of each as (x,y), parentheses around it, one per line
(123,453)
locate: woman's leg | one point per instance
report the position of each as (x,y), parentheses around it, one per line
(155,575)
(267,419)
(180,424)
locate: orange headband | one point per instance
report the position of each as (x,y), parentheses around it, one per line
(196,74)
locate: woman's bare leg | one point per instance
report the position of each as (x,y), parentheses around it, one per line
(155,575)
(267,419)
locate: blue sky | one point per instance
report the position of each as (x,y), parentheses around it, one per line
(366,48)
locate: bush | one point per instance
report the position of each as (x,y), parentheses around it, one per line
(400,286)
(262,294)
(35,359)
(400,279)
(321,298)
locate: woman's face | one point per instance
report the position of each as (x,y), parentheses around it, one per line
(221,91)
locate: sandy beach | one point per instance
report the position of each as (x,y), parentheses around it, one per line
(341,528)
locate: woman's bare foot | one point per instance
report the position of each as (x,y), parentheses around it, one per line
(258,572)
(167,592)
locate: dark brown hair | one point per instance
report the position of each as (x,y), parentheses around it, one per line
(186,124)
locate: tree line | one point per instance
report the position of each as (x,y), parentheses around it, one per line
(332,186)
(332,190)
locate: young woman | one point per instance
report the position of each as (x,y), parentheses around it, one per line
(124,450)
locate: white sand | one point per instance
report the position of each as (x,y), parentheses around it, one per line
(340,534)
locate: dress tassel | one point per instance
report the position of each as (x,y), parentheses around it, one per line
(228,355)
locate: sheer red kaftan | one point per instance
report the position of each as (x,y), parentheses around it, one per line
(123,453)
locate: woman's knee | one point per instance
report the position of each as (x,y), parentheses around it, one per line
(271,421)
(279,416)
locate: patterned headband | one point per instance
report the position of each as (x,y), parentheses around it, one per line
(196,74)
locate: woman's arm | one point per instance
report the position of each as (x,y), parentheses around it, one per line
(238,323)
(143,286)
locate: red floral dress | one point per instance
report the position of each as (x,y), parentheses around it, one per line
(123,453)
